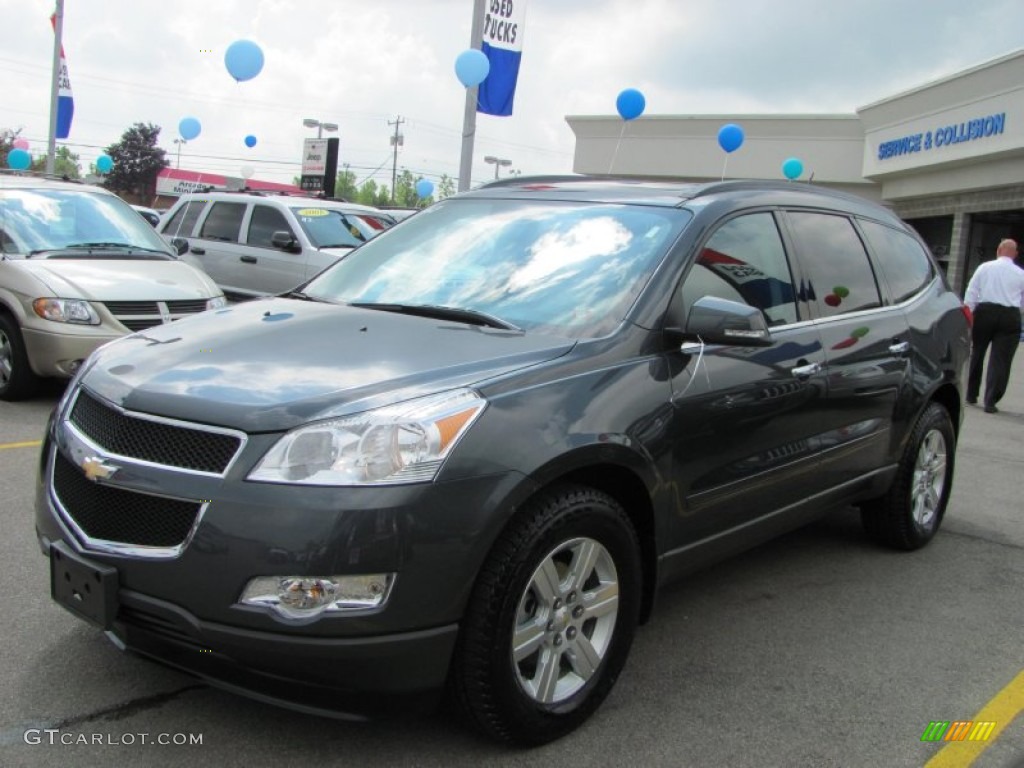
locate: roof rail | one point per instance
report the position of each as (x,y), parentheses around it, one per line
(511,181)
(40,175)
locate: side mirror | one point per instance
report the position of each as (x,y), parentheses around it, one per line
(180,245)
(720,321)
(285,241)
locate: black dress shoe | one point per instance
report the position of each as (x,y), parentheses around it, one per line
(972,401)
(991,409)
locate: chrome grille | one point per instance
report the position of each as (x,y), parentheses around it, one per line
(152,441)
(105,513)
(140,315)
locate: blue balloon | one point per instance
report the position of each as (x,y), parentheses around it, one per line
(250,140)
(244,60)
(630,104)
(472,67)
(104,163)
(189,128)
(792,168)
(730,137)
(424,187)
(19,159)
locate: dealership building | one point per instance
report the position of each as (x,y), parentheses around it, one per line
(946,156)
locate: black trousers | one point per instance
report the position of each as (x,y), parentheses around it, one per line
(999,327)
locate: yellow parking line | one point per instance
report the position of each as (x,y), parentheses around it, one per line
(1001,710)
(26,444)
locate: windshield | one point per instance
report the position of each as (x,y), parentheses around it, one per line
(34,220)
(570,269)
(331,228)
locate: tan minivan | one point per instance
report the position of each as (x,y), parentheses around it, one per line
(79,268)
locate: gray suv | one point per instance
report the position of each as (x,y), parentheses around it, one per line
(255,244)
(465,457)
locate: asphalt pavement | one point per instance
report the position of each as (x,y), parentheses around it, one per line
(817,649)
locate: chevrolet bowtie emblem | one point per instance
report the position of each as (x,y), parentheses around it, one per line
(95,469)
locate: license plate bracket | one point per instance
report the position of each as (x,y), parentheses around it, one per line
(85,588)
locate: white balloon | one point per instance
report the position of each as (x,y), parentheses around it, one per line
(247,171)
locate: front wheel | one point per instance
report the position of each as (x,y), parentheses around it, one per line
(17,379)
(551,618)
(909,515)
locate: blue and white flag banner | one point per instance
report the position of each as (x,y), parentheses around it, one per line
(65,102)
(504,26)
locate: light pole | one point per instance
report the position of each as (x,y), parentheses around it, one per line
(179,142)
(310,122)
(498,162)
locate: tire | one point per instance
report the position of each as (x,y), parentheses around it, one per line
(564,579)
(17,380)
(910,514)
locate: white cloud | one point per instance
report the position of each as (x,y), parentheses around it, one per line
(360,63)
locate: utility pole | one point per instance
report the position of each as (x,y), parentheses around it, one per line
(396,141)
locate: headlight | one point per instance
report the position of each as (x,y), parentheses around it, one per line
(66,311)
(217,303)
(404,443)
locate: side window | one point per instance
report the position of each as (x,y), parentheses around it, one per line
(184,219)
(264,223)
(744,261)
(839,276)
(224,222)
(902,259)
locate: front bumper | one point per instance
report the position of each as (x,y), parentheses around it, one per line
(182,610)
(58,355)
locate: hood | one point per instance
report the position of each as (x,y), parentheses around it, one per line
(120,279)
(272,364)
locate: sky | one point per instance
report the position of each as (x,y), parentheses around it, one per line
(364,63)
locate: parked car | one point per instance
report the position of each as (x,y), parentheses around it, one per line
(149,214)
(78,267)
(465,457)
(254,244)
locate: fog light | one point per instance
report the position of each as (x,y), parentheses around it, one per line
(303,597)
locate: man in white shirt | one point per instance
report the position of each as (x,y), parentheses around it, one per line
(995,295)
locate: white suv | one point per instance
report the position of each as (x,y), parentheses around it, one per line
(253,244)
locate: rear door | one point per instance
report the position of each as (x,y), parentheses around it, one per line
(746,419)
(866,343)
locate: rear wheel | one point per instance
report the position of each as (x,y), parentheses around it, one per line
(17,380)
(909,515)
(551,619)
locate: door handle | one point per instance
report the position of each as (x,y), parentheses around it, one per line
(199,251)
(806,371)
(247,259)
(900,348)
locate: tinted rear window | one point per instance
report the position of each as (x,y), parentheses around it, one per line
(904,263)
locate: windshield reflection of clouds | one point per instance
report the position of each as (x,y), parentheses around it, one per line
(566,268)
(37,220)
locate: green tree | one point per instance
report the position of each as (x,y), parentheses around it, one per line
(7,138)
(345,185)
(65,163)
(137,161)
(367,193)
(405,190)
(445,187)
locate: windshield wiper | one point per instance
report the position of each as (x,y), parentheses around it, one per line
(474,316)
(336,245)
(298,295)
